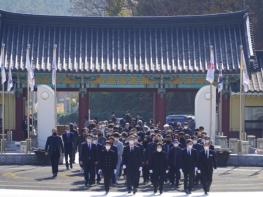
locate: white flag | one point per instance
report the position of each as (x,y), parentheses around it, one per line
(3,74)
(30,71)
(10,80)
(54,66)
(244,72)
(220,84)
(211,67)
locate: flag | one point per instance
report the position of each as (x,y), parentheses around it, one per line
(211,67)
(54,66)
(3,74)
(220,82)
(30,71)
(243,71)
(10,80)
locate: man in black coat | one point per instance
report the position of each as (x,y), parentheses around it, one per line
(68,140)
(75,140)
(189,166)
(175,163)
(107,165)
(53,148)
(132,162)
(158,167)
(88,158)
(199,147)
(207,163)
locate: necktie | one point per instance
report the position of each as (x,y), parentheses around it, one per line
(207,153)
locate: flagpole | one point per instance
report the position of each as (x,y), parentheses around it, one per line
(240,96)
(28,97)
(55,80)
(3,97)
(210,122)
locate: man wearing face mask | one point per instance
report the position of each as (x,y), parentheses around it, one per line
(199,148)
(189,166)
(132,162)
(68,140)
(88,160)
(107,165)
(207,163)
(53,148)
(175,163)
(158,168)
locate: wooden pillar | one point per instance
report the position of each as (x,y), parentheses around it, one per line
(226,115)
(19,132)
(159,106)
(83,108)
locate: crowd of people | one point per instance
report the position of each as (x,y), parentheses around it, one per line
(134,149)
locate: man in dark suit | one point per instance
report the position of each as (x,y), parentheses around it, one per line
(199,147)
(88,159)
(158,167)
(53,148)
(107,165)
(175,163)
(207,163)
(189,166)
(75,140)
(132,162)
(68,140)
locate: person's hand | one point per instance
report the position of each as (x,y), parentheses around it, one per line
(46,153)
(124,166)
(115,171)
(196,169)
(167,171)
(151,171)
(199,171)
(140,169)
(99,171)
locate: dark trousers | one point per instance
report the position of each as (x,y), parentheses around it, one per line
(158,180)
(133,176)
(68,154)
(206,179)
(54,163)
(89,173)
(145,173)
(174,174)
(97,174)
(188,180)
(107,178)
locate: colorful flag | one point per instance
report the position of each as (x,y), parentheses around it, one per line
(243,71)
(54,66)
(10,80)
(3,74)
(211,67)
(30,71)
(220,82)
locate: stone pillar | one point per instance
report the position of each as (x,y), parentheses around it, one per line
(260,143)
(252,140)
(222,141)
(83,108)
(225,114)
(159,107)
(19,115)
(244,147)
(234,145)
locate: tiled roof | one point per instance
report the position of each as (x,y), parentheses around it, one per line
(256,81)
(126,44)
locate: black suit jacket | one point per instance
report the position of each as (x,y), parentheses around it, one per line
(158,162)
(108,160)
(175,157)
(190,161)
(68,140)
(132,159)
(54,145)
(88,155)
(207,163)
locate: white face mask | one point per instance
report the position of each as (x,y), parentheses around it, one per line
(189,146)
(67,131)
(107,147)
(95,141)
(159,149)
(194,142)
(131,142)
(207,141)
(89,141)
(176,144)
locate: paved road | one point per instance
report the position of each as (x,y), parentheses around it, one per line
(230,179)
